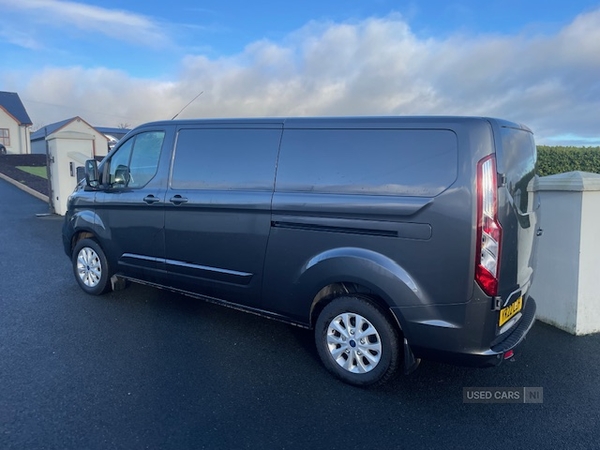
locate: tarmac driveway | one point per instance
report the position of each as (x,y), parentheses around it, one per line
(144,368)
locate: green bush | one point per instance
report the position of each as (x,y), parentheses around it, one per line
(552,160)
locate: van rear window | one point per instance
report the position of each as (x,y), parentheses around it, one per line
(519,158)
(368,161)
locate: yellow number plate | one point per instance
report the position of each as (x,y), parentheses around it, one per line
(509,312)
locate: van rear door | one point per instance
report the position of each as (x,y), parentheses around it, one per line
(518,216)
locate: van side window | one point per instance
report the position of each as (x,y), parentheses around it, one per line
(136,161)
(119,164)
(368,161)
(225,158)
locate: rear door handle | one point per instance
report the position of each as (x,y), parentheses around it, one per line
(178,199)
(151,199)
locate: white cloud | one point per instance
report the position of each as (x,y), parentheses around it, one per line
(376,66)
(101,96)
(16,36)
(116,24)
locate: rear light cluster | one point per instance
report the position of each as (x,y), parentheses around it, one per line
(489,232)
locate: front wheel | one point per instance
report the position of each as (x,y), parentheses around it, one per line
(357,342)
(90,267)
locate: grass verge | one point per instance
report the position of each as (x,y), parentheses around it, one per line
(37,171)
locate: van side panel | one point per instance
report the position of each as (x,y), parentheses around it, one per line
(323,178)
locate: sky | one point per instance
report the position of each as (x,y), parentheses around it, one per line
(117,63)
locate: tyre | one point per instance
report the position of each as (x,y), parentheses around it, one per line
(90,267)
(357,342)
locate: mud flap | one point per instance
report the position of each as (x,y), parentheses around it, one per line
(118,283)
(410,362)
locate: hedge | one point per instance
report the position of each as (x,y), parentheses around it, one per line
(552,160)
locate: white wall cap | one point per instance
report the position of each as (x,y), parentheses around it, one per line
(78,157)
(569,181)
(70,135)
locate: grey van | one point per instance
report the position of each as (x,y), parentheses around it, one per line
(394,238)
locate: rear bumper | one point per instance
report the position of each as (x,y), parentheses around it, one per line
(518,334)
(466,345)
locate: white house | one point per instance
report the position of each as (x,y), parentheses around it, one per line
(104,137)
(14,125)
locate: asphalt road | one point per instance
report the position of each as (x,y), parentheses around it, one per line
(144,368)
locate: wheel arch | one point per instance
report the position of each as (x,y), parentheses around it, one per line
(87,233)
(86,224)
(345,288)
(81,234)
(361,272)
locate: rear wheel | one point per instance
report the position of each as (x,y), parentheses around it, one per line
(357,342)
(90,267)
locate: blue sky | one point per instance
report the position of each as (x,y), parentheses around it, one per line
(114,62)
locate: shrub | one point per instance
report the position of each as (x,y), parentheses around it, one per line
(552,160)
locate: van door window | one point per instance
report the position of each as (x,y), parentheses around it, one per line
(119,164)
(225,159)
(136,161)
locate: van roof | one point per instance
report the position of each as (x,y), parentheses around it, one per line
(341,121)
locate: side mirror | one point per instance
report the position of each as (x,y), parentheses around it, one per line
(122,176)
(92,178)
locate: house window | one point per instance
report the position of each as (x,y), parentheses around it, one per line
(5,137)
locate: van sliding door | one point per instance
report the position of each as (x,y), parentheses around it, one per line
(218,209)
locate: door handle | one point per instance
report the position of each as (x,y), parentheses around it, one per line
(178,199)
(151,199)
